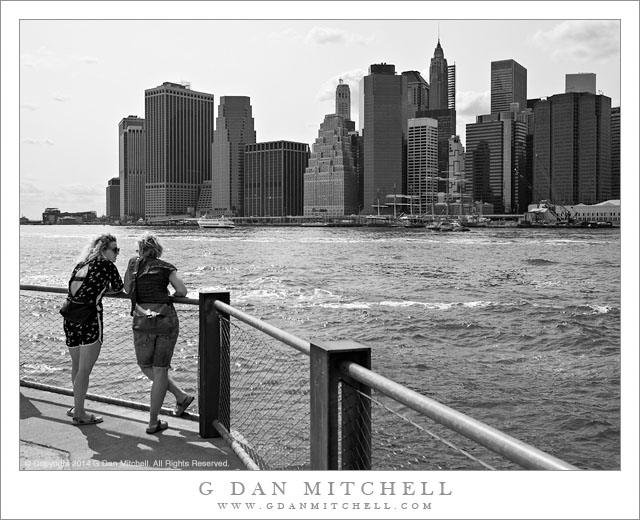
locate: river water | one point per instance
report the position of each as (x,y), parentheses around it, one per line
(519,328)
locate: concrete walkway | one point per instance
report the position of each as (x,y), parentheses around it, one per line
(48,440)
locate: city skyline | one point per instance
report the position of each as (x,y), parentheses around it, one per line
(64,168)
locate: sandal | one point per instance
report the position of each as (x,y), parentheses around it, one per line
(160,425)
(70,412)
(181,407)
(92,419)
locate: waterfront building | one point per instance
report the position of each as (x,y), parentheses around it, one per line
(508,85)
(274,178)
(234,129)
(615,152)
(55,216)
(331,178)
(179,124)
(582,82)
(113,198)
(422,164)
(131,167)
(572,148)
(495,157)
(384,110)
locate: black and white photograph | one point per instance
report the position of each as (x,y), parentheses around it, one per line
(319,259)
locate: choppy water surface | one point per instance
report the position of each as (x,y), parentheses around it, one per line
(519,328)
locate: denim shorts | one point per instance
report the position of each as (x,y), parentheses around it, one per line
(156,350)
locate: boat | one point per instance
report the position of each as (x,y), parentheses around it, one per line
(215,222)
(411,221)
(440,225)
(458,226)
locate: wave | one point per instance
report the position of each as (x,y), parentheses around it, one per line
(539,261)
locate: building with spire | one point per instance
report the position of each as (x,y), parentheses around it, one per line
(234,130)
(331,179)
(442,107)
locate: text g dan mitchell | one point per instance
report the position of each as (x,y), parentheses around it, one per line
(344,488)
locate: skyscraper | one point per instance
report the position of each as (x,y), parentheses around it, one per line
(113,198)
(384,108)
(179,132)
(572,148)
(331,178)
(508,85)
(417,93)
(343,101)
(234,129)
(274,178)
(131,144)
(495,159)
(615,152)
(582,82)
(422,164)
(438,80)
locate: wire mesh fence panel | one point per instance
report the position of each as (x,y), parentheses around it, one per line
(269,399)
(44,357)
(403,439)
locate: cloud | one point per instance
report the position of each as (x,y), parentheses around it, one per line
(82,189)
(58,97)
(32,140)
(43,58)
(581,40)
(325,35)
(351,77)
(471,104)
(29,106)
(30,189)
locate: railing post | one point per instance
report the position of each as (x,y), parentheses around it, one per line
(325,377)
(214,399)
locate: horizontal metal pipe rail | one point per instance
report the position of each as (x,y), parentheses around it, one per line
(517,451)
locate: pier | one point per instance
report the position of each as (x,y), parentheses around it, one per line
(266,400)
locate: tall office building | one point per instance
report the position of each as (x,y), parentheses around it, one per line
(331,179)
(495,159)
(615,152)
(113,198)
(234,129)
(131,147)
(572,148)
(422,164)
(582,82)
(274,178)
(417,93)
(439,80)
(508,85)
(384,108)
(179,132)
(343,100)
(460,186)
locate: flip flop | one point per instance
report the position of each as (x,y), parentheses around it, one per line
(92,419)
(160,425)
(181,407)
(70,412)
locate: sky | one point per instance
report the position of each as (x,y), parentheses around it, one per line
(79,78)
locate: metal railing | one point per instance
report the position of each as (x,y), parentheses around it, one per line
(280,401)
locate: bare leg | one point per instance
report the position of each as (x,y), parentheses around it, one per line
(86,356)
(172,386)
(158,392)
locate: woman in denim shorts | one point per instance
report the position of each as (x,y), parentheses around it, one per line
(154,351)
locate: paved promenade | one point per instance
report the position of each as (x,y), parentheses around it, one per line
(48,440)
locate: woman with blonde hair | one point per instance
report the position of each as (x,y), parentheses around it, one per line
(93,276)
(146,280)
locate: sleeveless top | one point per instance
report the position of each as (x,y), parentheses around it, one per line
(152,284)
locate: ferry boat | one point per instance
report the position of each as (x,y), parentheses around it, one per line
(215,222)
